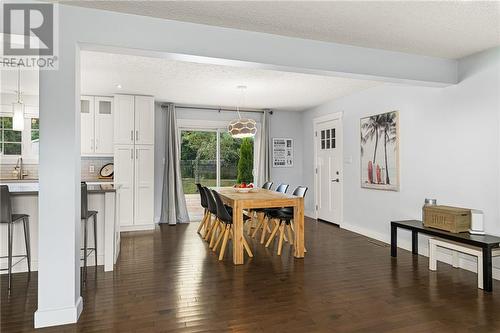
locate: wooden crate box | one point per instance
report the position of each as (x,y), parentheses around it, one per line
(452,219)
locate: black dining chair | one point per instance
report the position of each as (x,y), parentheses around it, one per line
(263,223)
(214,227)
(257,213)
(267,185)
(204,223)
(285,218)
(6,217)
(225,216)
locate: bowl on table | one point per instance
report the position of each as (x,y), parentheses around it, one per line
(243,188)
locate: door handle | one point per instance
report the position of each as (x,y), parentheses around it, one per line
(132,135)
(336,180)
(137,154)
(131,154)
(137,135)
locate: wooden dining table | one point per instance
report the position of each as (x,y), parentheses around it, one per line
(261,198)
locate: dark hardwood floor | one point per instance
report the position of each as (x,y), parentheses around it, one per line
(168,281)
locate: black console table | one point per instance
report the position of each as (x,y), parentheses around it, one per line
(485,242)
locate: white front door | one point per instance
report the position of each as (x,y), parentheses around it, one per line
(329,170)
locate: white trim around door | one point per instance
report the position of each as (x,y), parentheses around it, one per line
(316,124)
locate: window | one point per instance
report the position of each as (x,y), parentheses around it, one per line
(328,139)
(10,140)
(19,143)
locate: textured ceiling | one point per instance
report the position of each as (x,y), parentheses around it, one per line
(447,29)
(214,85)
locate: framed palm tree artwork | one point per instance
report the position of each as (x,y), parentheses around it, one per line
(380,151)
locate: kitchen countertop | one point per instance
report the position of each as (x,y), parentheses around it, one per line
(32,188)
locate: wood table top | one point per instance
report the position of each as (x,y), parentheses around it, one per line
(257,198)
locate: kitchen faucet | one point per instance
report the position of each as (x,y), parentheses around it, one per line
(19,168)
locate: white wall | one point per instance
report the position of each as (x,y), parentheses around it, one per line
(283,124)
(449,148)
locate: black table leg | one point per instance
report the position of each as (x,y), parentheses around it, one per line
(394,241)
(414,242)
(487,271)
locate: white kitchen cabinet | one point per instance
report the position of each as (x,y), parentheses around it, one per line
(124,119)
(87,124)
(144,120)
(144,185)
(124,180)
(103,125)
(134,160)
(134,119)
(96,125)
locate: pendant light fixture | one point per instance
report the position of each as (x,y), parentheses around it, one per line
(18,107)
(242,127)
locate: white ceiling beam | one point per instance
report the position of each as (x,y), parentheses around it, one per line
(147,36)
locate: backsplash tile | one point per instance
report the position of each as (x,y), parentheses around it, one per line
(97,162)
(6,170)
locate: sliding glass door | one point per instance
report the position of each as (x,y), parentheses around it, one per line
(212,158)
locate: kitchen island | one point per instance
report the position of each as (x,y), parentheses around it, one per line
(101,198)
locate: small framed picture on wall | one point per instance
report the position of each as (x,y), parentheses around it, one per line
(282,152)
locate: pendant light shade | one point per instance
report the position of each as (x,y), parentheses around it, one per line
(242,127)
(18,116)
(18,107)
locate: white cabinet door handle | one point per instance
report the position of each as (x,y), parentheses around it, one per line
(132,135)
(131,154)
(137,154)
(137,135)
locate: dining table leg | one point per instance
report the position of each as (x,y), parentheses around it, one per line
(237,234)
(298,218)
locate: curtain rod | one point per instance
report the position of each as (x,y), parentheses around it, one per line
(218,109)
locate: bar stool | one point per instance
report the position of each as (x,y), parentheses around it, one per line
(85,216)
(6,217)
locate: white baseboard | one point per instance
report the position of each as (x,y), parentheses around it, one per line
(310,214)
(55,317)
(142,227)
(465,261)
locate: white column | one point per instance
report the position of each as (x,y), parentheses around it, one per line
(59,300)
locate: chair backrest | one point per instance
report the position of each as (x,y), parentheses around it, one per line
(222,212)
(300,191)
(282,188)
(203,196)
(212,207)
(5,205)
(84,200)
(267,185)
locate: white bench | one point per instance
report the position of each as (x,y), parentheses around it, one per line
(434,243)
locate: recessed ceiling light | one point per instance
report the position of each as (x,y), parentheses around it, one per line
(119,86)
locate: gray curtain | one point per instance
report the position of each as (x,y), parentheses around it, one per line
(264,151)
(173,202)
